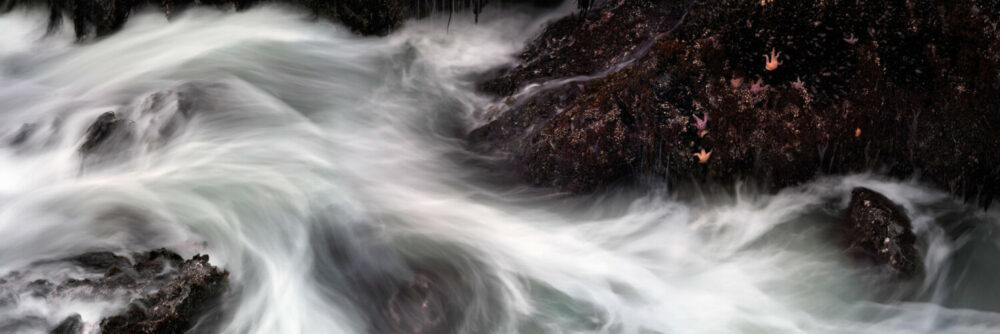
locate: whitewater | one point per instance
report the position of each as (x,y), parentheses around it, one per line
(321,169)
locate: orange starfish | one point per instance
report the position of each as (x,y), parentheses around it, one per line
(772,63)
(857,133)
(703,157)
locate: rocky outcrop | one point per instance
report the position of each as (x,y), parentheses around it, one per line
(167,293)
(176,306)
(899,87)
(96,18)
(878,230)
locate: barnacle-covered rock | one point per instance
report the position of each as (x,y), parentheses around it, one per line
(879,230)
(898,87)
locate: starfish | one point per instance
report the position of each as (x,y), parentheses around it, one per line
(701,124)
(756,88)
(798,84)
(703,157)
(851,39)
(736,82)
(857,133)
(772,63)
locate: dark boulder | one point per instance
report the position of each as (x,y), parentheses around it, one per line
(898,88)
(100,260)
(168,294)
(877,229)
(176,306)
(71,325)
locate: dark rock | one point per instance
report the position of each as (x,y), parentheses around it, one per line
(915,94)
(156,261)
(880,231)
(100,260)
(583,44)
(168,293)
(71,325)
(370,17)
(176,306)
(97,18)
(106,133)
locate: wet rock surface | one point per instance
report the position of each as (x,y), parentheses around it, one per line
(175,307)
(902,88)
(72,325)
(400,295)
(148,123)
(97,18)
(878,230)
(165,293)
(106,133)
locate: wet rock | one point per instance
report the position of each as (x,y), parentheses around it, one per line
(370,17)
(107,133)
(176,306)
(168,294)
(97,18)
(583,44)
(100,260)
(879,230)
(915,93)
(71,325)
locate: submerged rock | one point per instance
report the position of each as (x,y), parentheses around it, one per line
(900,88)
(880,231)
(22,134)
(432,302)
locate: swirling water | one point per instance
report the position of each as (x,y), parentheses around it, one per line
(322,169)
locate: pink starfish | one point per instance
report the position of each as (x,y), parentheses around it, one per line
(700,123)
(756,88)
(798,84)
(851,39)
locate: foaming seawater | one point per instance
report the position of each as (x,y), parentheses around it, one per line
(326,173)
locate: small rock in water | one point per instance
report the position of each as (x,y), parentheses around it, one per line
(881,232)
(105,132)
(72,325)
